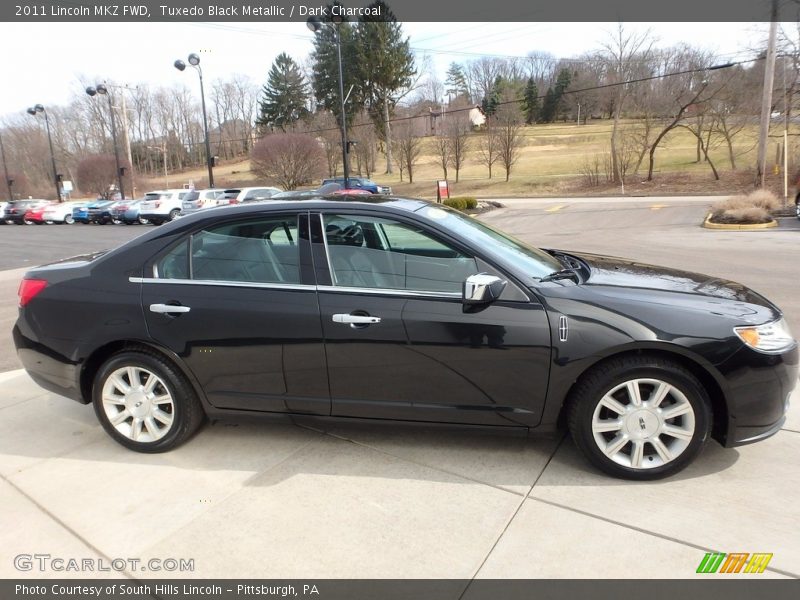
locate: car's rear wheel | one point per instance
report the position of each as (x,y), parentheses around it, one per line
(797,207)
(144,402)
(639,417)
(69,219)
(29,222)
(142,220)
(173,214)
(116,221)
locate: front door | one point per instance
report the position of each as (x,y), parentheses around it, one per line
(398,342)
(236,302)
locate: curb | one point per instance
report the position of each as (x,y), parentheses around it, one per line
(731,227)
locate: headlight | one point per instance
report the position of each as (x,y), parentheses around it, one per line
(770,338)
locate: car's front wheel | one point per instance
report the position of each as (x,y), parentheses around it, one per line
(144,402)
(639,417)
(69,220)
(797,207)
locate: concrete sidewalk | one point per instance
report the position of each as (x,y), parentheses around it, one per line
(283,501)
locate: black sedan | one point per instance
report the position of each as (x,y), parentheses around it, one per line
(401,310)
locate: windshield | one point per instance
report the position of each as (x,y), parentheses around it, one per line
(528,259)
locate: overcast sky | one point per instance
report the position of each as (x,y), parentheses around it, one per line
(41,62)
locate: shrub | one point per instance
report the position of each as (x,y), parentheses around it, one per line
(747,216)
(288,159)
(750,209)
(457,203)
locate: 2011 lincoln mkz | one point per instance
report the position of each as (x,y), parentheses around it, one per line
(400,310)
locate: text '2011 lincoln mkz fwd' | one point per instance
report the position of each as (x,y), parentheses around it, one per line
(401,310)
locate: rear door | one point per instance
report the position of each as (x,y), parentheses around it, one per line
(236,301)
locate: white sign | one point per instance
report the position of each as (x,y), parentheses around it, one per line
(66,187)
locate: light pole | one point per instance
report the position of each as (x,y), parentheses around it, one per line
(39,108)
(5,169)
(194,60)
(100,88)
(315,24)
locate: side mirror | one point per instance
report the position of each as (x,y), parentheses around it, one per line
(482,289)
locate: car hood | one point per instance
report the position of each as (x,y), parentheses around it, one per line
(619,277)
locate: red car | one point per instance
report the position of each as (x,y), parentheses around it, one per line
(35,215)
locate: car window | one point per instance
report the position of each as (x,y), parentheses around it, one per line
(256,251)
(381,253)
(256,194)
(261,251)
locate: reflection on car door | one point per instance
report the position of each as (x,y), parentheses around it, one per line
(398,342)
(252,335)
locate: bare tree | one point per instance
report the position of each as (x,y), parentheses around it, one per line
(624,52)
(457,130)
(288,159)
(408,146)
(441,149)
(489,148)
(509,126)
(97,174)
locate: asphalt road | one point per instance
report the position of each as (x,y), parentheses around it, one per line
(657,230)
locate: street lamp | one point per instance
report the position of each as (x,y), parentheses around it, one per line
(100,88)
(33,110)
(315,24)
(194,60)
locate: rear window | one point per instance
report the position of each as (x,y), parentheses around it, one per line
(231,194)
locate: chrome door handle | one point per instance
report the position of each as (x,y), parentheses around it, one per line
(355,319)
(166,309)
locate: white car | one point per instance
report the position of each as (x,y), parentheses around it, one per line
(248,194)
(61,213)
(161,206)
(199,200)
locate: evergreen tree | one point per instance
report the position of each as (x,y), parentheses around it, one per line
(377,63)
(530,102)
(456,82)
(285,95)
(562,83)
(385,66)
(548,111)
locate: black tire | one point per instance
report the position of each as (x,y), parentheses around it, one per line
(797,207)
(173,214)
(69,220)
(608,375)
(186,410)
(142,221)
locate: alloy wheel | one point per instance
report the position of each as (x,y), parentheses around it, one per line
(138,404)
(643,423)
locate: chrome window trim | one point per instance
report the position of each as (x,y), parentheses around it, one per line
(388,292)
(302,287)
(245,284)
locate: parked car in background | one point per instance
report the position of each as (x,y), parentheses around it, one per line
(81,213)
(61,212)
(410,312)
(201,199)
(35,214)
(14,213)
(360,183)
(127,211)
(161,206)
(101,213)
(248,194)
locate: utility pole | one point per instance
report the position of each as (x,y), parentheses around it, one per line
(5,169)
(766,98)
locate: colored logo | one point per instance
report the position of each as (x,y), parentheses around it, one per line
(736,562)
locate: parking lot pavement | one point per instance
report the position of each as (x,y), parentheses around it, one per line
(283,501)
(316,501)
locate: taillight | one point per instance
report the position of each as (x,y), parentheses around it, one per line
(29,289)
